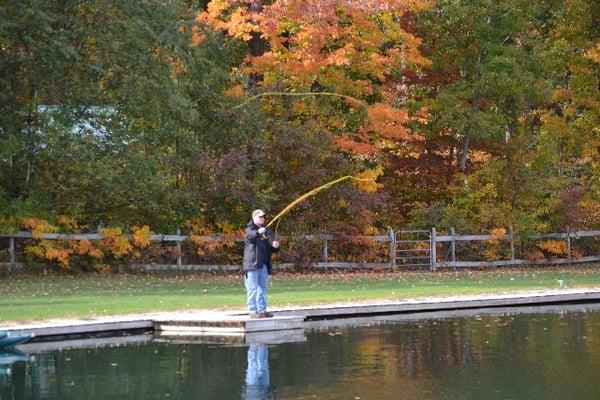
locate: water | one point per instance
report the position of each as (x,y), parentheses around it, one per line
(549,355)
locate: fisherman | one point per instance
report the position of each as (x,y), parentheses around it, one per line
(258,247)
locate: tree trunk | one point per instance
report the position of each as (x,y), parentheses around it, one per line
(465,150)
(474,107)
(257,44)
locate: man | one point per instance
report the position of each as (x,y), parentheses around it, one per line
(258,247)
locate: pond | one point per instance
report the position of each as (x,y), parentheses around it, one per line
(498,354)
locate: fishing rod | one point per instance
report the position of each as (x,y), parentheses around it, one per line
(312,193)
(302,94)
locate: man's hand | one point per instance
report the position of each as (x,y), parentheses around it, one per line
(262,230)
(275,244)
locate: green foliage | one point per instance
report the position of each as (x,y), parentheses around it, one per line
(113,112)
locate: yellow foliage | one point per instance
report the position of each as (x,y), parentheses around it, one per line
(198,226)
(591,213)
(371,230)
(52,251)
(39,250)
(9,224)
(141,236)
(229,16)
(116,242)
(68,223)
(368,177)
(102,268)
(490,254)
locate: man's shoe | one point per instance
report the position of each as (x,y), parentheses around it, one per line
(255,315)
(265,314)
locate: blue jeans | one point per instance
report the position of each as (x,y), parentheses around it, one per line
(257,281)
(257,374)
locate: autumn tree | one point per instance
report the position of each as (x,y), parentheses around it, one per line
(336,69)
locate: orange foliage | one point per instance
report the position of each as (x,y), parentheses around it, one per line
(309,39)
(594,53)
(235,91)
(361,149)
(536,255)
(85,247)
(497,234)
(59,251)
(389,122)
(352,48)
(491,250)
(203,237)
(555,247)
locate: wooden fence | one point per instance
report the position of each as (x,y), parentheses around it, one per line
(452,239)
(438,258)
(178,239)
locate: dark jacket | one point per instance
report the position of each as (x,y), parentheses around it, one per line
(257,247)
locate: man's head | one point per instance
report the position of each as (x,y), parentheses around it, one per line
(258,217)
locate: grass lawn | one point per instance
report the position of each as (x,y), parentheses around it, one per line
(34,297)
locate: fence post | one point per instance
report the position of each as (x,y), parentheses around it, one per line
(11,250)
(178,248)
(569,243)
(325,248)
(392,236)
(453,246)
(433,249)
(511,235)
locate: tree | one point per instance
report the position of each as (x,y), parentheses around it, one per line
(336,69)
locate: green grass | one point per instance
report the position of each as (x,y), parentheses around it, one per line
(34,297)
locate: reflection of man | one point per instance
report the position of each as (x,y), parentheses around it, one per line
(257,374)
(258,246)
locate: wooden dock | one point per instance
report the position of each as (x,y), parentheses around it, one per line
(288,324)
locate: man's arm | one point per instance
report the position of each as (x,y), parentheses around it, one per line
(251,234)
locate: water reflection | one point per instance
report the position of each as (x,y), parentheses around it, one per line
(258,382)
(492,355)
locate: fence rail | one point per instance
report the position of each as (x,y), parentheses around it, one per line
(178,239)
(510,237)
(404,251)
